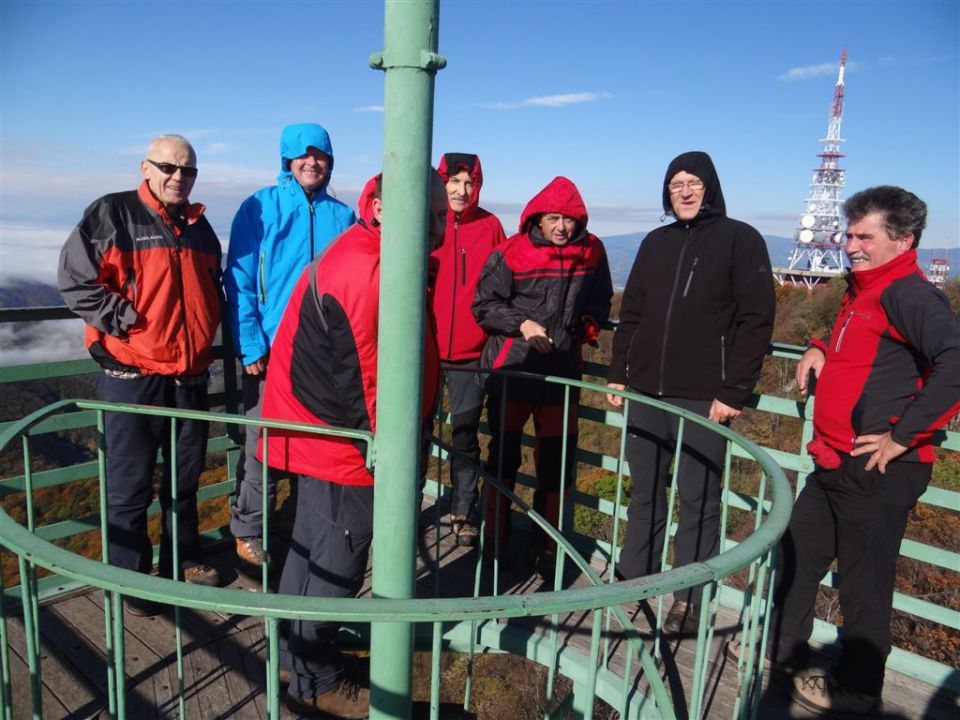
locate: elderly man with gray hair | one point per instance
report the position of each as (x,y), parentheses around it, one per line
(142,269)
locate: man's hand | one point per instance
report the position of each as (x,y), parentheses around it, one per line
(721,412)
(615,400)
(813,359)
(536,336)
(256,367)
(883,449)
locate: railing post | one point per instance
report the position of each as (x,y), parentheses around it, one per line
(410,61)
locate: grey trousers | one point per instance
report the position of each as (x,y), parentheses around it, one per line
(466,403)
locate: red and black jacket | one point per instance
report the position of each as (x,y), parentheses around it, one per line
(323,361)
(892,362)
(470,238)
(528,277)
(147,285)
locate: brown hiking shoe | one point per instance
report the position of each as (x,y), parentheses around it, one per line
(824,696)
(201,574)
(464,531)
(250,550)
(347,700)
(683,618)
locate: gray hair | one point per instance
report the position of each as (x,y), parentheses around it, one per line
(169,137)
(903,212)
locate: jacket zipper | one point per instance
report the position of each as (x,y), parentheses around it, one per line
(843,329)
(183,303)
(463,267)
(723,358)
(312,213)
(263,277)
(453,298)
(666,324)
(686,288)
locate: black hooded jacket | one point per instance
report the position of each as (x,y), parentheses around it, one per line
(697,313)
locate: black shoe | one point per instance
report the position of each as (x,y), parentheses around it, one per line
(142,608)
(683,619)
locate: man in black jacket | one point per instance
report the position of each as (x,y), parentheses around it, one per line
(695,323)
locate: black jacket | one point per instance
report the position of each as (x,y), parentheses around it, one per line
(698,308)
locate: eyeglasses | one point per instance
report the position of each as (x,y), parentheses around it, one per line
(170,168)
(694,185)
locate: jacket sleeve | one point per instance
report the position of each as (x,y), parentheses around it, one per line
(492,305)
(631,308)
(753,294)
(598,304)
(82,275)
(240,283)
(922,315)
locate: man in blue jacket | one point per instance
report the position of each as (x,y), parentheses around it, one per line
(276,233)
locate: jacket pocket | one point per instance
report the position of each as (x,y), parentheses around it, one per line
(686,288)
(723,358)
(263,277)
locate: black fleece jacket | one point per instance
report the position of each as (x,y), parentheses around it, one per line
(697,313)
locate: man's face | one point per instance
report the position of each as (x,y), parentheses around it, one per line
(870,246)
(557,228)
(686,195)
(438,211)
(170,188)
(311,169)
(459,191)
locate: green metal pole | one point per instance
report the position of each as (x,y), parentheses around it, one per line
(410,60)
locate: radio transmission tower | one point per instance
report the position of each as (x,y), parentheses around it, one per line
(817,253)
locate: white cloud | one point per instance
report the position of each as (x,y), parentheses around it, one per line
(810,71)
(219,147)
(554,101)
(21,344)
(369,109)
(30,251)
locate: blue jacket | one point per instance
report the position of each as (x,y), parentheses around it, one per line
(275,234)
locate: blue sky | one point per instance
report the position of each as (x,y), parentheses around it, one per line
(605,93)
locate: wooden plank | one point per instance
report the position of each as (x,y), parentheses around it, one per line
(241,691)
(20,687)
(209,685)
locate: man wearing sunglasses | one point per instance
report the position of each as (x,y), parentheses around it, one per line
(142,269)
(276,233)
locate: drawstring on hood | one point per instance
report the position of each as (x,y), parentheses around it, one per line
(696,163)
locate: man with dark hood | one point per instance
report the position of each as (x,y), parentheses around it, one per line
(695,323)
(542,294)
(275,234)
(472,234)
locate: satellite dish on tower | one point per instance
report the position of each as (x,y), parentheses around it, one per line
(811,207)
(808,221)
(805,236)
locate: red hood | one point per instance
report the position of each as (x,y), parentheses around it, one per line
(559,196)
(453,163)
(902,265)
(365,203)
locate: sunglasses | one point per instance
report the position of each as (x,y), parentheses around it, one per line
(170,168)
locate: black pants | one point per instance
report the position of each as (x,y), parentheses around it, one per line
(859,518)
(650,446)
(327,558)
(132,442)
(466,402)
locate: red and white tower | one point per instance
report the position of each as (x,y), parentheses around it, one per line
(818,252)
(938,271)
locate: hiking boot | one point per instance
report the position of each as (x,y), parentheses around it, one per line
(142,608)
(347,700)
(201,574)
(735,649)
(464,531)
(823,695)
(250,550)
(683,618)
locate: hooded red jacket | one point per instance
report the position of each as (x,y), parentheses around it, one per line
(323,362)
(470,238)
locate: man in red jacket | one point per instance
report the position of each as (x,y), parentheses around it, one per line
(472,234)
(323,370)
(888,376)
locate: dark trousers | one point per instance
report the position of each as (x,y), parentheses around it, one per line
(327,558)
(858,518)
(650,445)
(132,441)
(246,515)
(503,458)
(466,402)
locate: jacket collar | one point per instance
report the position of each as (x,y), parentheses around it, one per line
(191,211)
(900,266)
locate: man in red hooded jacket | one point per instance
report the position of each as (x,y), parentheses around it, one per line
(472,234)
(323,371)
(542,294)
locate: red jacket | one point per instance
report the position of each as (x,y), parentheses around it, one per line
(147,287)
(323,367)
(892,364)
(470,238)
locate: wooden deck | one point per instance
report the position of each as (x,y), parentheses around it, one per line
(224,655)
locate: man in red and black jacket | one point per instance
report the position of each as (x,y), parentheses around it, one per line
(887,376)
(542,294)
(472,234)
(142,269)
(323,371)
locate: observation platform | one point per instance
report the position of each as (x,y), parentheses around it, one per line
(224,673)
